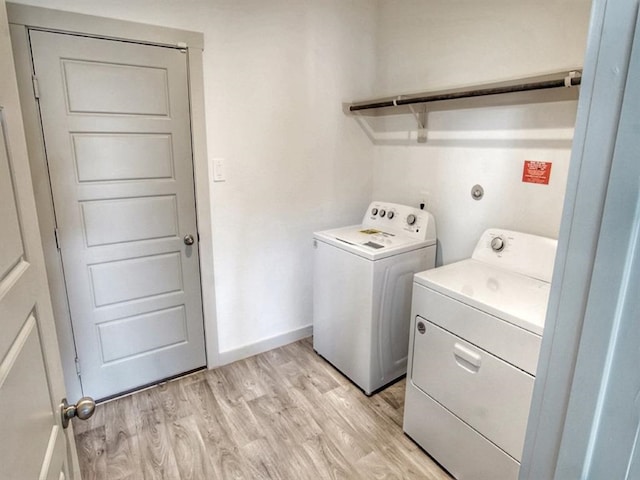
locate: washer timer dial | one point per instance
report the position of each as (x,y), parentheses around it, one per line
(497,244)
(411,219)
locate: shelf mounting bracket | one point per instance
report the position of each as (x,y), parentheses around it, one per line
(421,120)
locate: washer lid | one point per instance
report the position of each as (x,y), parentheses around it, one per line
(513,297)
(370,243)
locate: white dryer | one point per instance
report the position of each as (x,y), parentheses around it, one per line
(362,285)
(474,345)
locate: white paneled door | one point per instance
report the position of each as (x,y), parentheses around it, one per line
(116,124)
(33,443)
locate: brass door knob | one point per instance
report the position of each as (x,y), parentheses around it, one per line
(83,410)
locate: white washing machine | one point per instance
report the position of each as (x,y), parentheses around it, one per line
(473,350)
(363,277)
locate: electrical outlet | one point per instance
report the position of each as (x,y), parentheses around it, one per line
(425,199)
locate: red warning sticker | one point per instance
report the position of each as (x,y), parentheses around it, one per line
(536,172)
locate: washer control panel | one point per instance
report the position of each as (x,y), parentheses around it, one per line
(393,218)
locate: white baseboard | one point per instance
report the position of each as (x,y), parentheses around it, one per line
(265,345)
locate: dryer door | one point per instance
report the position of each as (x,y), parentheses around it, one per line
(487,393)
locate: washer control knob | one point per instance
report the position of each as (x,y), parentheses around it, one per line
(383,213)
(411,219)
(390,215)
(497,244)
(374,211)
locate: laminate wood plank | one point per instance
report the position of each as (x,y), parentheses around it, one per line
(345,438)
(285,414)
(211,423)
(396,449)
(297,379)
(399,449)
(224,388)
(346,401)
(233,408)
(289,425)
(245,378)
(375,467)
(157,457)
(222,451)
(277,356)
(383,419)
(172,399)
(319,372)
(91,447)
(333,426)
(189,449)
(328,460)
(263,460)
(239,420)
(273,378)
(158,461)
(267,459)
(391,400)
(123,459)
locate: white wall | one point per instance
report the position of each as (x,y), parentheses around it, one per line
(431,44)
(275,74)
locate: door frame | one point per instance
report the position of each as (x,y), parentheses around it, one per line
(23,18)
(555,442)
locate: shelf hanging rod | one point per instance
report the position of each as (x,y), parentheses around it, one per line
(571,80)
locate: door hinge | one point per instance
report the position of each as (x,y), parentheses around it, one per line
(55,234)
(182,46)
(36,87)
(78,366)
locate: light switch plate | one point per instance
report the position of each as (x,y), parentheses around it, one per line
(219,174)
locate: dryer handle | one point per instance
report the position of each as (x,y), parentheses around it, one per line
(467,358)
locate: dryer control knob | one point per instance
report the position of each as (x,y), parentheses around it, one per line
(383,213)
(497,244)
(374,211)
(411,219)
(390,215)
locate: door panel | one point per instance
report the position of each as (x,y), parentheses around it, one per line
(116,124)
(25,390)
(103,157)
(10,234)
(129,219)
(33,443)
(164,269)
(14,266)
(170,324)
(115,88)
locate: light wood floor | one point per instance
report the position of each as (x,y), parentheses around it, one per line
(284,414)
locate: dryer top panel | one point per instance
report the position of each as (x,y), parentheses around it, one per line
(507,276)
(512,297)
